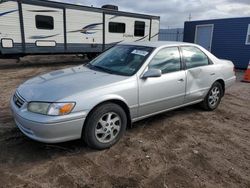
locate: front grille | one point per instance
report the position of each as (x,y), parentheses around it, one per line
(18,100)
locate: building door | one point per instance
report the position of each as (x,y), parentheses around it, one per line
(204,36)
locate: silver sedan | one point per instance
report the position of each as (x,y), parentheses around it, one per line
(127,83)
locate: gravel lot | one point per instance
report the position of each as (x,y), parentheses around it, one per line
(183,148)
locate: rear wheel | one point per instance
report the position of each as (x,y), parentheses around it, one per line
(213,98)
(105,126)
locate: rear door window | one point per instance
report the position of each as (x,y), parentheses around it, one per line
(194,57)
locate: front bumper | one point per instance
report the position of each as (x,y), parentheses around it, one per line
(48,129)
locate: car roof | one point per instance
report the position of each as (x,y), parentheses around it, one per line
(157,44)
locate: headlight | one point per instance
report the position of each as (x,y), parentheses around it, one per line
(39,107)
(53,109)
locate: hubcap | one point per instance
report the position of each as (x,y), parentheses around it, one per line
(108,127)
(214,96)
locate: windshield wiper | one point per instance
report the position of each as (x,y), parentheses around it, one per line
(99,68)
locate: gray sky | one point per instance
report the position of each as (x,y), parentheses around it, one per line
(173,13)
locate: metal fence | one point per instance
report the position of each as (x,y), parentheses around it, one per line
(171,34)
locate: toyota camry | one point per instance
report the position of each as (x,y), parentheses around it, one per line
(127,83)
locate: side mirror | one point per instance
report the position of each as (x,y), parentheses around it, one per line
(151,73)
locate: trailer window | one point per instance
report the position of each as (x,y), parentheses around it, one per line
(139,29)
(115,27)
(44,22)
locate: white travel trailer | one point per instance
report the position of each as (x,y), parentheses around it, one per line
(44,27)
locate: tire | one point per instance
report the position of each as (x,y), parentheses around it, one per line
(213,98)
(105,126)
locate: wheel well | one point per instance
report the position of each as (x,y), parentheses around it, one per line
(118,102)
(222,84)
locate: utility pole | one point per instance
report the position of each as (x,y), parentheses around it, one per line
(190,17)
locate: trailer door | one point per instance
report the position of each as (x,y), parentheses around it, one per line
(43,29)
(155,30)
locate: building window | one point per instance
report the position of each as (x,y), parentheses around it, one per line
(115,27)
(44,22)
(248,35)
(139,29)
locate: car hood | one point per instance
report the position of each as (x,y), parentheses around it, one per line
(57,85)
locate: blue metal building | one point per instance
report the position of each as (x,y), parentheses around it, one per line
(225,38)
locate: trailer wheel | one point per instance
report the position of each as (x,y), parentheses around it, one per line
(92,55)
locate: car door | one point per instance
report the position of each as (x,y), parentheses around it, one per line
(164,92)
(200,73)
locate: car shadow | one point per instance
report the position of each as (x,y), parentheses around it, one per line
(17,149)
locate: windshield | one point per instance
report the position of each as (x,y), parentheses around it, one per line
(121,59)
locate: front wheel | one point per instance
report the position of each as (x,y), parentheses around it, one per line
(213,98)
(105,126)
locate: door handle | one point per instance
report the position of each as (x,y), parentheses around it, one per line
(212,74)
(181,80)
